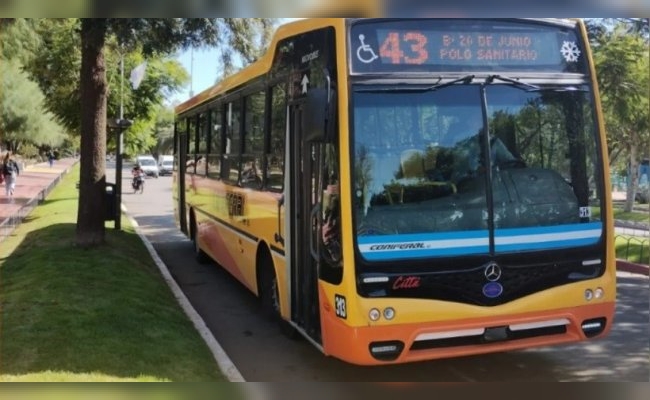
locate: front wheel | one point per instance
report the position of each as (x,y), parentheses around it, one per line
(270,299)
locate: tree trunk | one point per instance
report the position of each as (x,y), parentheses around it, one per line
(92,185)
(632,179)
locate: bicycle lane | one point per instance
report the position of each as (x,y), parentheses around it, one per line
(33,184)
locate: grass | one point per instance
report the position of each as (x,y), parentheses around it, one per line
(633,248)
(634,216)
(103,314)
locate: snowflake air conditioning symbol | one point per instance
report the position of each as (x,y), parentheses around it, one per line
(570,51)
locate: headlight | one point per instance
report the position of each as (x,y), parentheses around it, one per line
(389,313)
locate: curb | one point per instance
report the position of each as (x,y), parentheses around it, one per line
(642,226)
(226,365)
(626,266)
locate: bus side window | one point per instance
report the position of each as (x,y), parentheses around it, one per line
(254,127)
(231,158)
(216,143)
(275,164)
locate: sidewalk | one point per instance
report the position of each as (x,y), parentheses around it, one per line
(36,181)
(32,186)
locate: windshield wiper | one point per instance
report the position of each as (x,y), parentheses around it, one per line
(521,85)
(532,88)
(410,88)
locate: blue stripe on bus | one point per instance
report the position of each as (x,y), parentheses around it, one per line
(432,245)
(506,240)
(549,229)
(414,237)
(548,237)
(563,244)
(405,254)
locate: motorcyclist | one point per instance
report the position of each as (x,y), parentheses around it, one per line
(138,177)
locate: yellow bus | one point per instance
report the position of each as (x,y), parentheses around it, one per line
(398,190)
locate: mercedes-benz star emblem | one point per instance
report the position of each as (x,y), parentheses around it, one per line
(492,272)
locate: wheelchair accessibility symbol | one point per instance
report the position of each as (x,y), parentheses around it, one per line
(365,53)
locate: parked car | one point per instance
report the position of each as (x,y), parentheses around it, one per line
(166,164)
(148,165)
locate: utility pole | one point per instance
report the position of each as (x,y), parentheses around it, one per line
(119,125)
(191,71)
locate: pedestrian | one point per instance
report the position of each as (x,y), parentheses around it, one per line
(10,171)
(50,157)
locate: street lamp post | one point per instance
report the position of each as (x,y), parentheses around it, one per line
(119,125)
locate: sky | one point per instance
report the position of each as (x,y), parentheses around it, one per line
(201,65)
(202,69)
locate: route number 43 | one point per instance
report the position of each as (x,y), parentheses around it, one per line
(415,42)
(341,310)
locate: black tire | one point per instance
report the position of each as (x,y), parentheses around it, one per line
(200,255)
(270,299)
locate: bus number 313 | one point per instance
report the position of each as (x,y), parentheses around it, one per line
(339,303)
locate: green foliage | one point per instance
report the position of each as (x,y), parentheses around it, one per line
(19,41)
(163,77)
(56,68)
(621,58)
(621,52)
(164,131)
(139,137)
(23,117)
(249,38)
(29,151)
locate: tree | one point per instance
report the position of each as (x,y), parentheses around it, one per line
(156,37)
(56,67)
(164,131)
(250,43)
(20,96)
(19,124)
(19,41)
(622,65)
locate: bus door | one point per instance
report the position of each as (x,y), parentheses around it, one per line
(304,198)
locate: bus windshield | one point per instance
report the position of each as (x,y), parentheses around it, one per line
(432,178)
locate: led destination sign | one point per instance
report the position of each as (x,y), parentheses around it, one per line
(463,45)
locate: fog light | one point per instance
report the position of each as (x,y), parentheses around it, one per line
(389,313)
(374,314)
(386,351)
(593,327)
(589,294)
(599,293)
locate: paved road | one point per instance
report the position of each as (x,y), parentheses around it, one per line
(261,353)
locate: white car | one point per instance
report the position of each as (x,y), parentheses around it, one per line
(148,165)
(166,164)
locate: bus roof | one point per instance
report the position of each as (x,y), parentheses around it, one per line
(259,67)
(263,64)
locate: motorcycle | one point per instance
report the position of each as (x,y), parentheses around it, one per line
(138,182)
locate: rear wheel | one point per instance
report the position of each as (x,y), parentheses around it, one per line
(200,255)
